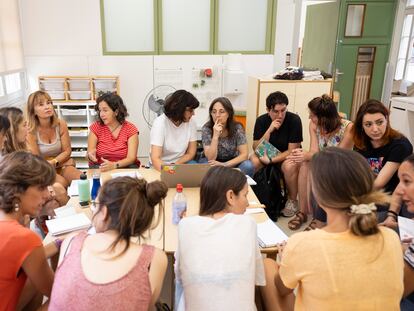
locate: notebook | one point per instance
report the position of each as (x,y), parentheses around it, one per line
(271,150)
(189,175)
(406,227)
(67,224)
(269,234)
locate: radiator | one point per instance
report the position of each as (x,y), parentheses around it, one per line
(361,91)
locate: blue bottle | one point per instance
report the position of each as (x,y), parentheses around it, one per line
(96,184)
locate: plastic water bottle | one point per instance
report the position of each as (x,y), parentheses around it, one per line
(83,190)
(179,205)
(96,184)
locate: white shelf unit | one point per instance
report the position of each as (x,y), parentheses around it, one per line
(74,100)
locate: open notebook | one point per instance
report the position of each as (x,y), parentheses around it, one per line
(68,224)
(269,234)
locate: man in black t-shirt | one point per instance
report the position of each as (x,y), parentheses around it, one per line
(283,130)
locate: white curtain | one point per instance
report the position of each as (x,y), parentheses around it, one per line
(11,50)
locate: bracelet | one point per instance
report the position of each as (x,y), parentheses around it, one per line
(58,243)
(392,215)
(392,212)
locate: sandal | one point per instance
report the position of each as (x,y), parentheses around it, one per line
(297,221)
(312,226)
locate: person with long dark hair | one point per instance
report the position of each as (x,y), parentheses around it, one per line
(107,270)
(224,139)
(218,254)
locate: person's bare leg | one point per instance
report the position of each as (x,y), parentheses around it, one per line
(303,188)
(291,172)
(70,173)
(61,180)
(256,162)
(271,298)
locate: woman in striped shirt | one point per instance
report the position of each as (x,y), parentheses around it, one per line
(113,141)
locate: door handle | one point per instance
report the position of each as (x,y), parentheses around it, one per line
(337,74)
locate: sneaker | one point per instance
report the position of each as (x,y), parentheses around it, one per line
(290,209)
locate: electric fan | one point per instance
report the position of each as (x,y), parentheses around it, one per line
(153,104)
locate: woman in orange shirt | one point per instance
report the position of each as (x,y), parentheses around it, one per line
(25,275)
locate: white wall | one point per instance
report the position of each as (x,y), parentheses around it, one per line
(65,39)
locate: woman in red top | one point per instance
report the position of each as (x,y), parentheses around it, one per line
(112,141)
(25,275)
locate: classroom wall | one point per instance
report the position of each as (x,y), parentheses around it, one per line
(65,39)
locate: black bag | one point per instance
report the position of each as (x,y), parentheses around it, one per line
(271,190)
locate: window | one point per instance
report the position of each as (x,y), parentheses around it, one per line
(187,26)
(405,62)
(12,88)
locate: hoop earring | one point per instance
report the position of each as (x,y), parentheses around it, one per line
(16,207)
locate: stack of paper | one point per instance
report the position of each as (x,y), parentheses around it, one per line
(68,224)
(64,211)
(269,234)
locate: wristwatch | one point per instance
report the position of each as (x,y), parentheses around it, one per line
(117,164)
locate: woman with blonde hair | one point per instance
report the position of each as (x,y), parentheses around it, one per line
(49,137)
(17,133)
(15,140)
(351,263)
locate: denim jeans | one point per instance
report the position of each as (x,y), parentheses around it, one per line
(246,166)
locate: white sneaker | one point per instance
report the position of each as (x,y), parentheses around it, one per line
(290,209)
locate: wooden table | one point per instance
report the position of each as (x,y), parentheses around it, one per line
(164,235)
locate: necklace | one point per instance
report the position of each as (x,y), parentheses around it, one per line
(115,128)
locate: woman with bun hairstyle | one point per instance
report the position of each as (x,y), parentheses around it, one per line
(107,271)
(351,263)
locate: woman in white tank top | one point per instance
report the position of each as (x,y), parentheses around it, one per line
(49,137)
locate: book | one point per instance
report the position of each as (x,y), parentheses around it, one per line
(67,224)
(271,150)
(269,234)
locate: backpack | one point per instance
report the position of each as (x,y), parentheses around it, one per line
(271,189)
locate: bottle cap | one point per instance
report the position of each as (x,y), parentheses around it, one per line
(83,176)
(179,188)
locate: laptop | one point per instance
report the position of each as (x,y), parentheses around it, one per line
(189,175)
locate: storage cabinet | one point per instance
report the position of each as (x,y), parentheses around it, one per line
(74,101)
(299,93)
(402,116)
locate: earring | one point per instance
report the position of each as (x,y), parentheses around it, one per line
(16,207)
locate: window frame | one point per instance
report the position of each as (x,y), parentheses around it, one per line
(408,11)
(14,97)
(214,26)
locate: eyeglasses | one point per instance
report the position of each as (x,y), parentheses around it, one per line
(218,112)
(94,205)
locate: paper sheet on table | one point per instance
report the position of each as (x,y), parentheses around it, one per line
(68,224)
(250,181)
(256,210)
(406,227)
(133,174)
(73,188)
(64,211)
(269,234)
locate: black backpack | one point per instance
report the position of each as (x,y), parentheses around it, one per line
(271,190)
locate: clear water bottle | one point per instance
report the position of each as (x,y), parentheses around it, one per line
(96,184)
(83,190)
(179,205)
